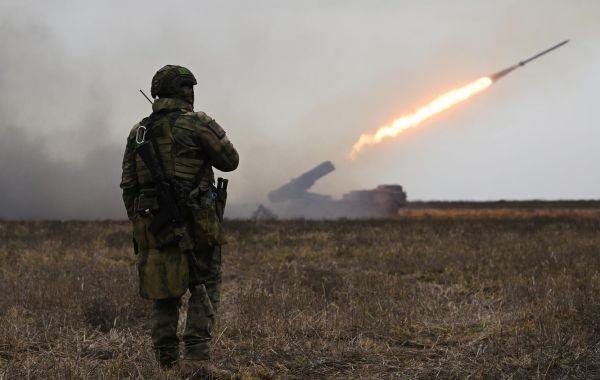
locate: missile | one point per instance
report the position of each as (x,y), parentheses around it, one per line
(506,71)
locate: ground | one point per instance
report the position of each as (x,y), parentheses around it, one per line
(478,293)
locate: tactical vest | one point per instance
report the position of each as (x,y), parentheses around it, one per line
(180,156)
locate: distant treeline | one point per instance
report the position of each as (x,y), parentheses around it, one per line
(504,204)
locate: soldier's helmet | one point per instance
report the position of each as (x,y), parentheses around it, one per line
(168,82)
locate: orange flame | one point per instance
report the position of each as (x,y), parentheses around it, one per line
(405,122)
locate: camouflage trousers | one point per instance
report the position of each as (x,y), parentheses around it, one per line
(201,313)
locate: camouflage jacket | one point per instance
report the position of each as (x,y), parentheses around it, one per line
(197,145)
(189,144)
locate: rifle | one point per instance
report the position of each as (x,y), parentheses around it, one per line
(169,213)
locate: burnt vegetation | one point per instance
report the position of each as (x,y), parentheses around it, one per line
(501,293)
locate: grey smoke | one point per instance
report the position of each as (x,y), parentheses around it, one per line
(40,112)
(35,185)
(294,84)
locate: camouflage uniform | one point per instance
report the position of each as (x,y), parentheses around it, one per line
(189,145)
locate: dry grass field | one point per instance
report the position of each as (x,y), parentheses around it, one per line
(434,294)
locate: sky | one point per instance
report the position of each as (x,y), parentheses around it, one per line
(295,83)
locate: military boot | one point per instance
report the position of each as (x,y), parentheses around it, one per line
(203,369)
(166,359)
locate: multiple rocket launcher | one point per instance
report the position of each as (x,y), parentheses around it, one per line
(294,200)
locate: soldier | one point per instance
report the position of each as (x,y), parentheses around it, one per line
(169,193)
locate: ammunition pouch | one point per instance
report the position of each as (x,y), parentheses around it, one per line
(207,225)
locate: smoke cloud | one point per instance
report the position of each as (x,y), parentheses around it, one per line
(294,84)
(47,108)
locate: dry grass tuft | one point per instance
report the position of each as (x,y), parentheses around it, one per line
(447,294)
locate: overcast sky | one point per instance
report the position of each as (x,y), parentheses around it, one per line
(295,83)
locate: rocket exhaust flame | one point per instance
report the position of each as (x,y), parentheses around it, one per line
(403,123)
(440,104)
